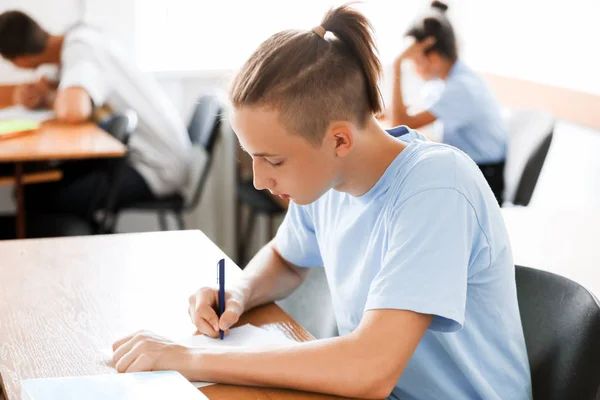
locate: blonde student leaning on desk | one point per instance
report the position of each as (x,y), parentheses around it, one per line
(408,231)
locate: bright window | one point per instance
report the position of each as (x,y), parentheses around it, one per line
(183,35)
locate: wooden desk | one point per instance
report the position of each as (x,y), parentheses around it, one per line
(64,301)
(564,242)
(33,177)
(55,141)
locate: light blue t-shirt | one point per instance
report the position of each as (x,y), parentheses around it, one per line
(471,116)
(428,237)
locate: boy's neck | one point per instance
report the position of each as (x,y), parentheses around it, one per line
(374,153)
(53,50)
(446,67)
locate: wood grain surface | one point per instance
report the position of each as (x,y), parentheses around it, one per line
(61,141)
(64,301)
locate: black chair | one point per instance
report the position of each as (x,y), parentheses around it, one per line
(258,202)
(531,133)
(203,129)
(561,323)
(121,125)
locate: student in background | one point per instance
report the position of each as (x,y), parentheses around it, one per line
(469,112)
(95,72)
(409,233)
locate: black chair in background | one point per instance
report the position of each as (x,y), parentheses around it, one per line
(561,323)
(530,136)
(121,126)
(203,129)
(257,202)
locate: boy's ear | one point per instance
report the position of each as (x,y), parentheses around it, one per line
(342,137)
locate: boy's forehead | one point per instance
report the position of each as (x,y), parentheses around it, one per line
(259,130)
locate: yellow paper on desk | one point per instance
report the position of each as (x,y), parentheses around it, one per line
(11,126)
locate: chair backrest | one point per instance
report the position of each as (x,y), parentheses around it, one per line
(121,125)
(205,120)
(531,134)
(204,129)
(561,323)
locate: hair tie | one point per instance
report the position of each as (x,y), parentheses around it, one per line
(319,30)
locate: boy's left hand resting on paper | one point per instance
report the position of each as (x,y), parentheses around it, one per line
(146,351)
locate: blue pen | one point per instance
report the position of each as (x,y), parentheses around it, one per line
(221,282)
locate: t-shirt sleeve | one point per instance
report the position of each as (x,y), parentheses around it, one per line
(425,268)
(296,239)
(454,104)
(80,68)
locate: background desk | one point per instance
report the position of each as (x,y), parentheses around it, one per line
(55,141)
(64,301)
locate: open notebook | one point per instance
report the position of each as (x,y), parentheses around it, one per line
(135,386)
(247,336)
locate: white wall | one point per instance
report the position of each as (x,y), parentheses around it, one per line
(547,41)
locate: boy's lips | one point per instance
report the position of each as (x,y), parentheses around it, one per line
(282,195)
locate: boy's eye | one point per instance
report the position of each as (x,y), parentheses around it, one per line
(275,164)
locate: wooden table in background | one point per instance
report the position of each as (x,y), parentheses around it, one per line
(64,301)
(55,141)
(564,242)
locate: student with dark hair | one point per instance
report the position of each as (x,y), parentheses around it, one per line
(410,235)
(96,72)
(470,114)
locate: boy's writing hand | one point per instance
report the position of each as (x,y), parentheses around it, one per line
(203,306)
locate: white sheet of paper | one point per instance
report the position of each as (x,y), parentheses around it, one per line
(248,336)
(20,112)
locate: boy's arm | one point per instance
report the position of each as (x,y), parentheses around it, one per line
(367,363)
(269,277)
(399,112)
(6,95)
(73,105)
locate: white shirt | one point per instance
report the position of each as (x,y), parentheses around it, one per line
(160,148)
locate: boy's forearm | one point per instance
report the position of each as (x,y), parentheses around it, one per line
(336,366)
(6,96)
(268,278)
(399,113)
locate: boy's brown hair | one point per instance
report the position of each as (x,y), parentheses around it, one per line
(312,78)
(20,35)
